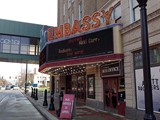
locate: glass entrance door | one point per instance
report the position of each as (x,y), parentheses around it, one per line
(68,84)
(81,88)
(111,92)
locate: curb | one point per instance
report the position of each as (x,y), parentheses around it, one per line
(42,110)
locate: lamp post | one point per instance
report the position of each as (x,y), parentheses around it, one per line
(146,62)
(26,78)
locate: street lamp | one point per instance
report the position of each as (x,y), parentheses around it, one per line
(146,62)
(26,78)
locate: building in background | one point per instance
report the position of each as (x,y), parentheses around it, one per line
(41,80)
(111,81)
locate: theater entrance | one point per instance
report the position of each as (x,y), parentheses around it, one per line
(76,84)
(110,92)
(114,95)
(113,87)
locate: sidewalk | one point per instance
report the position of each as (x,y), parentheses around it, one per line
(82,112)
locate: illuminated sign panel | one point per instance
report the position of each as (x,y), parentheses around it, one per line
(91,44)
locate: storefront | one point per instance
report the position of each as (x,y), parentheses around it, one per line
(79,64)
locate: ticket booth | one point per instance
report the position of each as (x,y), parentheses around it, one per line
(113,87)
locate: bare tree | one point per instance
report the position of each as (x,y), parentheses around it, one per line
(21,78)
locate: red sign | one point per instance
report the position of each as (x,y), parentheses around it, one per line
(67,106)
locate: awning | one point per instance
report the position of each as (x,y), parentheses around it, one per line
(87,60)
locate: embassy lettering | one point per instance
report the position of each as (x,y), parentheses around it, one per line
(87,23)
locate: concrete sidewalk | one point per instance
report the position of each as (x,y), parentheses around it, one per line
(15,106)
(82,112)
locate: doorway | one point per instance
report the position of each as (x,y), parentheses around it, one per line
(76,84)
(111,93)
(81,88)
(114,94)
(68,84)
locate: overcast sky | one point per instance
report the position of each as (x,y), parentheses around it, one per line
(15,68)
(42,12)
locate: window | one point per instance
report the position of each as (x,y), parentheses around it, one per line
(138,59)
(15,44)
(6,48)
(37,49)
(19,45)
(15,49)
(24,49)
(24,41)
(32,49)
(5,42)
(80,11)
(91,86)
(69,3)
(68,20)
(136,12)
(102,19)
(24,45)
(64,8)
(72,18)
(154,57)
(116,13)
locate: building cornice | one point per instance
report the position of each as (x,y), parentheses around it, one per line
(136,24)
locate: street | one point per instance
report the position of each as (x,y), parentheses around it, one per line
(15,106)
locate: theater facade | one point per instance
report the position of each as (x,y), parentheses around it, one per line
(89,65)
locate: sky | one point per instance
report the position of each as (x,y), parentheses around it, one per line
(43,12)
(16,68)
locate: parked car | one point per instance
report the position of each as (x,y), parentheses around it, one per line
(3,87)
(8,87)
(15,87)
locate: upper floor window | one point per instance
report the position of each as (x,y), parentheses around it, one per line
(80,11)
(64,8)
(136,12)
(116,13)
(154,57)
(72,18)
(69,3)
(69,21)
(102,19)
